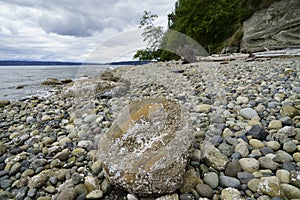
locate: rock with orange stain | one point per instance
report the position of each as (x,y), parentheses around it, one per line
(147,148)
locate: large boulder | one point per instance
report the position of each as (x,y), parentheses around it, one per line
(147,148)
(276,27)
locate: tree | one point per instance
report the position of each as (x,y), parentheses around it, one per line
(152,34)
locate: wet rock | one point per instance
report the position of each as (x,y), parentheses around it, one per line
(51,81)
(148,128)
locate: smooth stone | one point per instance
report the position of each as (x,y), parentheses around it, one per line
(289,147)
(2,149)
(242,100)
(226,149)
(275,124)
(81,190)
(5,195)
(32,192)
(211,179)
(248,113)
(283,175)
(230,193)
(226,181)
(285,132)
(4,103)
(53,180)
(242,148)
(186,197)
(203,108)
(253,184)
(96,194)
(86,144)
(289,166)
(256,143)
(289,111)
(257,132)
(90,118)
(212,156)
(266,150)
(273,145)
(290,191)
(166,197)
(267,163)
(134,197)
(46,118)
(296,157)
(245,177)
(204,190)
(286,121)
(15,169)
(96,167)
(6,183)
(233,168)
(282,156)
(249,164)
(50,189)
(63,155)
(67,194)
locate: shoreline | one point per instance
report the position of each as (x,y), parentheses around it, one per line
(48,145)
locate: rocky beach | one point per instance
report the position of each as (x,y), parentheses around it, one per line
(244,118)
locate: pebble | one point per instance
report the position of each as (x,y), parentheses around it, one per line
(275,124)
(283,175)
(256,143)
(204,190)
(248,113)
(296,157)
(273,145)
(226,181)
(289,147)
(242,149)
(249,164)
(233,168)
(230,193)
(282,156)
(257,132)
(211,179)
(267,163)
(96,194)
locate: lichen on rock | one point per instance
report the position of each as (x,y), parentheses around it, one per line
(147,148)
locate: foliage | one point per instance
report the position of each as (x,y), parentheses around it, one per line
(153,35)
(211,23)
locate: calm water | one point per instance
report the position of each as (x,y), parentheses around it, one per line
(32,77)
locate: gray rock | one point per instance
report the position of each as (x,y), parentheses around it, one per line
(233,168)
(96,194)
(4,103)
(249,164)
(155,163)
(15,169)
(248,113)
(242,148)
(5,195)
(90,118)
(268,163)
(67,194)
(230,193)
(225,149)
(226,181)
(282,156)
(204,190)
(6,183)
(286,121)
(211,179)
(166,197)
(290,191)
(295,178)
(86,144)
(289,146)
(22,193)
(289,111)
(257,132)
(212,156)
(32,192)
(274,27)
(63,155)
(36,163)
(245,177)
(283,175)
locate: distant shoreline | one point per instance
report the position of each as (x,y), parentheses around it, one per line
(57,63)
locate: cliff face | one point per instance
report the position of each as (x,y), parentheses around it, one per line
(276,27)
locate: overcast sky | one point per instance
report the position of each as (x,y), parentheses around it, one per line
(75,30)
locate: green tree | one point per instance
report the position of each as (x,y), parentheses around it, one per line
(153,35)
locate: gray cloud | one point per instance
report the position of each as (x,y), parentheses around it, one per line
(68,29)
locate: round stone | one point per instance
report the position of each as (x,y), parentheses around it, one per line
(233,168)
(275,124)
(248,113)
(230,193)
(146,149)
(267,163)
(256,143)
(273,145)
(96,194)
(289,111)
(204,190)
(296,157)
(249,164)
(242,148)
(282,156)
(211,179)
(283,175)
(226,181)
(289,146)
